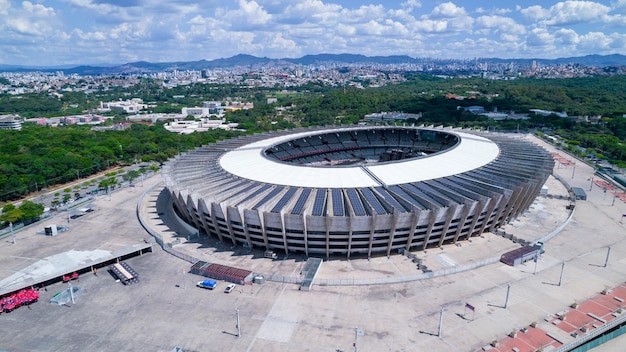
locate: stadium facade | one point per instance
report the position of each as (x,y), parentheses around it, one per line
(363,190)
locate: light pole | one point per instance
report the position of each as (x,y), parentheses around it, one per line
(562,270)
(357,332)
(440,322)
(238,325)
(69,287)
(608,252)
(508,290)
(614,196)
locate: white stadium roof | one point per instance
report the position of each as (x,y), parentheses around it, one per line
(249,162)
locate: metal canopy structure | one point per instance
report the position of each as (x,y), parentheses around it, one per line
(56,266)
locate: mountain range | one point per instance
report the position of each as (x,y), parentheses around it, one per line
(252,62)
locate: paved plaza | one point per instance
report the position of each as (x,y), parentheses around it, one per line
(165,309)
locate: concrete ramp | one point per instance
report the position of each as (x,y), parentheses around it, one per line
(309,272)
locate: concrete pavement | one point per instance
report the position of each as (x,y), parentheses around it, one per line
(166,310)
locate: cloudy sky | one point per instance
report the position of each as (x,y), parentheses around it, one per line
(72,32)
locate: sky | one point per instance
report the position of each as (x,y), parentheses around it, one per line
(99,32)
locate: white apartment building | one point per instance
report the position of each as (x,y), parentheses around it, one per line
(126,106)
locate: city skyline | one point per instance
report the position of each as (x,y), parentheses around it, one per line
(92,32)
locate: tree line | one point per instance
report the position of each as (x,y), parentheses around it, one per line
(37,157)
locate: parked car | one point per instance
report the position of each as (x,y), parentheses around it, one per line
(229,288)
(210,284)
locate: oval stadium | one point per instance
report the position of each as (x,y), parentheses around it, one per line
(356,191)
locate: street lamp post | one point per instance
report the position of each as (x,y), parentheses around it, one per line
(561,276)
(614,196)
(440,322)
(508,291)
(12,232)
(69,287)
(238,325)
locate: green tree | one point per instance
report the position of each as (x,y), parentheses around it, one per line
(131,175)
(31,210)
(12,216)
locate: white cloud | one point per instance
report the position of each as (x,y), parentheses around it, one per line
(97,36)
(309,11)
(37,9)
(570,12)
(566,36)
(386,28)
(595,42)
(539,37)
(567,13)
(102,9)
(618,4)
(33,20)
(281,45)
(510,38)
(363,13)
(345,30)
(445,18)
(618,43)
(5,5)
(493,11)
(447,10)
(535,12)
(499,24)
(430,26)
(156,30)
(249,15)
(411,4)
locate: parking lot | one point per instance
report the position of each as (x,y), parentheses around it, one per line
(165,309)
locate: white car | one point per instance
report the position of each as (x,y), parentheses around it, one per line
(229,288)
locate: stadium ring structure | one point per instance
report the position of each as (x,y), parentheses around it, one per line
(354,191)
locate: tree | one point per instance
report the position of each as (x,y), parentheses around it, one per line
(7,208)
(12,216)
(131,175)
(31,210)
(27,211)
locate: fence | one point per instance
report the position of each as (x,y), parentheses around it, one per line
(385,280)
(601,330)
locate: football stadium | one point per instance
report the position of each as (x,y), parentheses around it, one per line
(356,191)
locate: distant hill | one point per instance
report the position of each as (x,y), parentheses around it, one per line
(351,59)
(250,61)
